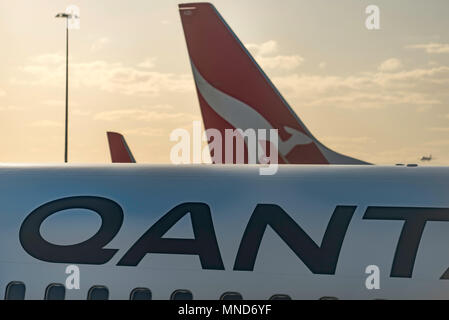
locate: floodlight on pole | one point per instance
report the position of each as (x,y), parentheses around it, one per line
(67,16)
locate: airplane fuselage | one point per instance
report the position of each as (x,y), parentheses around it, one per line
(306,232)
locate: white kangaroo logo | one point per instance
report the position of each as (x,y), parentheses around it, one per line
(242,116)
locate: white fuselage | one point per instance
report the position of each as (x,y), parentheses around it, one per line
(307,194)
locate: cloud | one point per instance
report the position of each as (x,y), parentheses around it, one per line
(164,107)
(145,115)
(265,55)
(57,103)
(80,113)
(146,132)
(148,63)
(280,62)
(349,140)
(322,65)
(438,143)
(418,87)
(46,124)
(424,108)
(263,49)
(53,103)
(100,43)
(432,48)
(107,76)
(439,129)
(11,108)
(392,64)
(49,59)
(355,146)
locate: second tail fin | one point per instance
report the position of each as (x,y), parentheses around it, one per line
(120,152)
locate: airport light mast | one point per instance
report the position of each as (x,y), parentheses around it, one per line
(66,16)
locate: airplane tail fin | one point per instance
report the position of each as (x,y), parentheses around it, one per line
(120,152)
(235,93)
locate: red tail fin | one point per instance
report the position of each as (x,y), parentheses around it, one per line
(234,92)
(120,152)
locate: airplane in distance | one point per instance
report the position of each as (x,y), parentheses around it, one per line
(427,158)
(235,93)
(223,232)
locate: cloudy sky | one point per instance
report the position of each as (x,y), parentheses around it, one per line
(381,96)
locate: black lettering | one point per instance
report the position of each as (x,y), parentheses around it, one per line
(415,222)
(204,245)
(320,260)
(88,252)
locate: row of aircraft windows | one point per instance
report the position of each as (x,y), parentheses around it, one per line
(16,291)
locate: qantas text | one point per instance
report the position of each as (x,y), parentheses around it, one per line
(321,259)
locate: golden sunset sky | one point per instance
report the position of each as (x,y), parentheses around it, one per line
(381,96)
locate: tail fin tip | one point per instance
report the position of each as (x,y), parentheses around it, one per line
(120,152)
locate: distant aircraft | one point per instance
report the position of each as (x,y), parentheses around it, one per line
(425,158)
(235,93)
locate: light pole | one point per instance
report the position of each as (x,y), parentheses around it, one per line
(67,17)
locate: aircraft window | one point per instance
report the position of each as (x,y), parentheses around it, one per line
(15,291)
(141,294)
(231,296)
(328,298)
(98,293)
(55,291)
(181,295)
(280,297)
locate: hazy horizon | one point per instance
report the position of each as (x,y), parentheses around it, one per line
(380,96)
